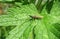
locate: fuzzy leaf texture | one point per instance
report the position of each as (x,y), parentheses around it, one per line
(46,28)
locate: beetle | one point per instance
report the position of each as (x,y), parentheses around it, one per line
(36,17)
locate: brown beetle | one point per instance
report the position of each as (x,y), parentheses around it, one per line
(36,17)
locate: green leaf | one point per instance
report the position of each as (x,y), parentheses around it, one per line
(29,29)
(49,6)
(18,31)
(13,17)
(56,9)
(48,27)
(44,28)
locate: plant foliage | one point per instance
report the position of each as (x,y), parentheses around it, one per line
(25,27)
